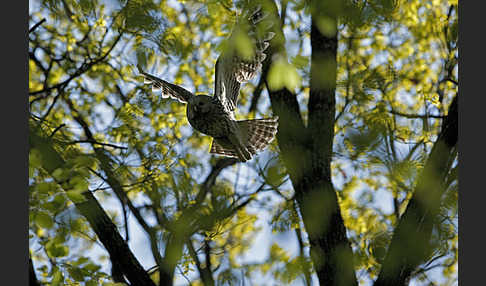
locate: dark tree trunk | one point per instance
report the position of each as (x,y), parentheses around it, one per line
(113,241)
(32,277)
(307,153)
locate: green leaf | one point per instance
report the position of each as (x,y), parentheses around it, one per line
(60,174)
(275,75)
(141,54)
(283,74)
(327,26)
(84,161)
(45,187)
(213,8)
(78,183)
(76,273)
(244,46)
(57,277)
(92,282)
(300,62)
(55,249)
(35,158)
(275,175)
(113,284)
(59,201)
(91,267)
(76,195)
(44,220)
(81,260)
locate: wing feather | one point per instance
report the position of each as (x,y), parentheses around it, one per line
(232,69)
(168,90)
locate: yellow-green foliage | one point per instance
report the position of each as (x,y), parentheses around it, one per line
(396,75)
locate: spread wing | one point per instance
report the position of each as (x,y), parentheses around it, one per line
(168,89)
(232,67)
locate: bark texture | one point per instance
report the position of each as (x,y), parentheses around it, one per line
(307,152)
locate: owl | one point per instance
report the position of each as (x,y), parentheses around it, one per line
(215,115)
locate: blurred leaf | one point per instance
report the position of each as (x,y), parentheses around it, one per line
(76,195)
(56,249)
(57,277)
(44,220)
(76,273)
(283,74)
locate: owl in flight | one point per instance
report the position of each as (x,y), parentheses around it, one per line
(214,115)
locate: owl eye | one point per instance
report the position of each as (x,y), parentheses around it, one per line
(200,103)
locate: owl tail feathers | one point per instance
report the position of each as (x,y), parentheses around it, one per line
(222,147)
(256,133)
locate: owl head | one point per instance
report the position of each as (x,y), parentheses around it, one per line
(199,105)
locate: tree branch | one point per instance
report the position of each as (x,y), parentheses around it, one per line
(307,273)
(410,245)
(291,133)
(93,212)
(204,271)
(115,184)
(329,246)
(307,154)
(211,178)
(37,25)
(416,115)
(93,142)
(85,66)
(32,277)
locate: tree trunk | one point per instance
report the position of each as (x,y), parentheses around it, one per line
(32,277)
(307,153)
(410,245)
(93,212)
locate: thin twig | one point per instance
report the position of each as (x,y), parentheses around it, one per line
(416,115)
(85,66)
(97,143)
(37,25)
(453,81)
(57,128)
(60,93)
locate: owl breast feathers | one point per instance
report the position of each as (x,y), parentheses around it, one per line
(214,115)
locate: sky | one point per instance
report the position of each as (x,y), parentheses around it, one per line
(265,238)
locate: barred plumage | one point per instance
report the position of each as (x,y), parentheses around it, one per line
(232,70)
(214,115)
(258,133)
(167,89)
(217,148)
